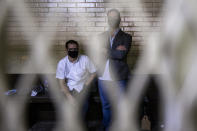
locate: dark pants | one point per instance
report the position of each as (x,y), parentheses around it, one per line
(106,108)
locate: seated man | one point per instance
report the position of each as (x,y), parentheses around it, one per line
(74,72)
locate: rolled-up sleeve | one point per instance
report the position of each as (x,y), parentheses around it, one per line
(90,66)
(119,54)
(60,70)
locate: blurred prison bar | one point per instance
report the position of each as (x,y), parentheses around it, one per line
(33,33)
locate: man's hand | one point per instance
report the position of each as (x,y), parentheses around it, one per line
(90,79)
(71,99)
(65,90)
(121,48)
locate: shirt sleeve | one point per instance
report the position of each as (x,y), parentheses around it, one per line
(60,70)
(90,66)
(119,55)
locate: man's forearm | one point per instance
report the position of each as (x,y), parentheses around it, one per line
(64,88)
(118,54)
(91,78)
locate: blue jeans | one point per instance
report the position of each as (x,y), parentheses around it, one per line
(106,108)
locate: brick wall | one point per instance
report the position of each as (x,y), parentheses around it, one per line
(136,21)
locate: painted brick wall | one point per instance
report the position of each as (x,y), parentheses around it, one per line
(135,20)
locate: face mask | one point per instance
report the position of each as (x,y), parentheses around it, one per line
(114,23)
(73,54)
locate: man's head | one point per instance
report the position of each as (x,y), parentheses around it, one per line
(114,18)
(72,47)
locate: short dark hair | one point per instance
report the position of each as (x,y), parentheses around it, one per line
(71,42)
(114,10)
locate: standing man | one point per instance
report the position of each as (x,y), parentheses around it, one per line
(116,45)
(74,72)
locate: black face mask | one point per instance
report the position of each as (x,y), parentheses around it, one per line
(73,54)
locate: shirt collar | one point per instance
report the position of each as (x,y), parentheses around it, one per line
(116,32)
(74,61)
